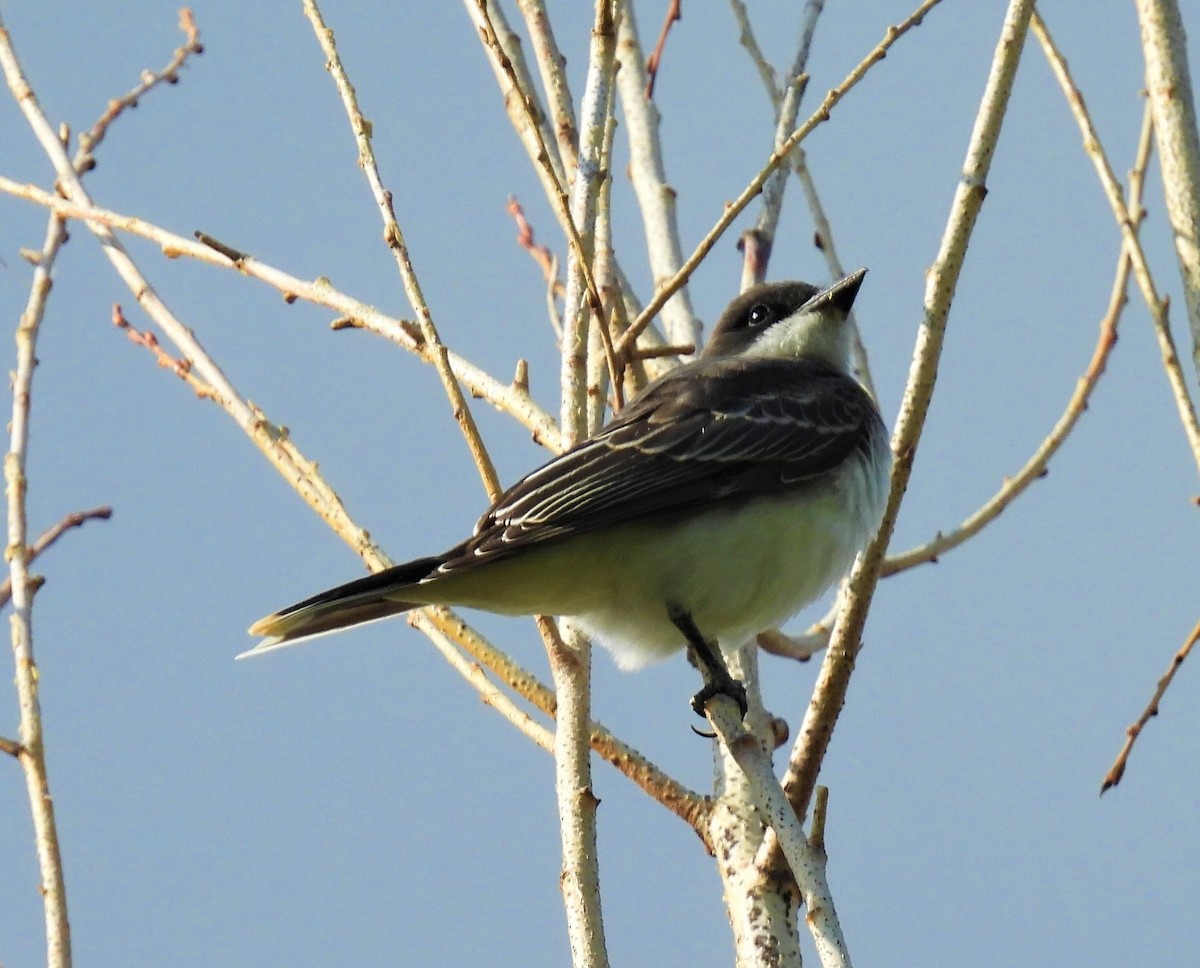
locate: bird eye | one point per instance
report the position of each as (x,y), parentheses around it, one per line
(759,315)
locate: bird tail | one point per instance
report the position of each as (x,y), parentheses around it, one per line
(369,599)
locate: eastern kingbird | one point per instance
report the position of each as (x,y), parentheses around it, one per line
(726,496)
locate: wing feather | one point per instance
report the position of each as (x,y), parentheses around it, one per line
(710,432)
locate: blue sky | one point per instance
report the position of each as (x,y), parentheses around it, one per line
(353,802)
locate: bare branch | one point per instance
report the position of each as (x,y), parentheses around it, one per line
(573,220)
(552,66)
(786,109)
(31,752)
(807,866)
(647,173)
(181,367)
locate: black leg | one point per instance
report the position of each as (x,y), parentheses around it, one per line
(707,658)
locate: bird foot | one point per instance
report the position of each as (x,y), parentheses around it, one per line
(706,657)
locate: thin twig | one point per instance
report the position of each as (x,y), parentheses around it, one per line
(180,366)
(1159,307)
(540,254)
(51,535)
(1117,770)
(777,158)
(150,79)
(31,752)
(395,241)
(747,39)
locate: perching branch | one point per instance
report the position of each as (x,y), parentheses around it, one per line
(773,808)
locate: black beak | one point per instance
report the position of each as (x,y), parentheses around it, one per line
(840,295)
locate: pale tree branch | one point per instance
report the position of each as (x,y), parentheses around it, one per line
(31,752)
(807,866)
(395,241)
(833,680)
(575,212)
(503,50)
(1159,306)
(1169,87)
(762,903)
(20,586)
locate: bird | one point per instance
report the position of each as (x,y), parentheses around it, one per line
(730,493)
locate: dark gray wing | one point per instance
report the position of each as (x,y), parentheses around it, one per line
(710,432)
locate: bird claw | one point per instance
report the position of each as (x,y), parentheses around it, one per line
(718,685)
